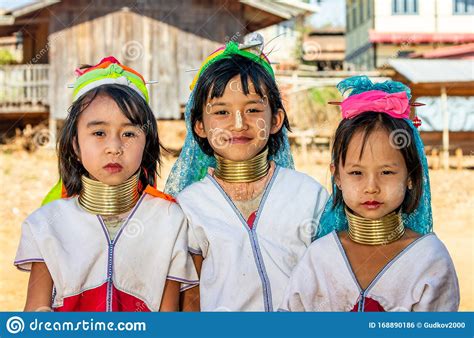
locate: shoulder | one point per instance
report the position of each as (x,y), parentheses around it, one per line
(327,241)
(302,184)
(196,189)
(432,247)
(297,176)
(158,194)
(157,202)
(426,255)
(320,258)
(53,208)
(52,216)
(325,246)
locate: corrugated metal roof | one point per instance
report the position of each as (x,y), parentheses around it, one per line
(434,71)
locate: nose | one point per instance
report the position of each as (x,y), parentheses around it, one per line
(114,147)
(372,185)
(239,121)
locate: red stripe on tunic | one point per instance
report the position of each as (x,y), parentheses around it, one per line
(370,305)
(251,219)
(95,300)
(122,301)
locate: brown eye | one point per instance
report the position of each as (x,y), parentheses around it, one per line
(355,173)
(388,172)
(129,134)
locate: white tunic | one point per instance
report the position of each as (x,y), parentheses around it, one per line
(247,268)
(420,278)
(91,272)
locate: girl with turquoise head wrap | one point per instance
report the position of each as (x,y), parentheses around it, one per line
(250,214)
(375,235)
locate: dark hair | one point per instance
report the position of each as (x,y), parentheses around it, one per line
(369,122)
(135,108)
(214,79)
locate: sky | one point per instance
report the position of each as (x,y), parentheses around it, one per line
(9,4)
(331,12)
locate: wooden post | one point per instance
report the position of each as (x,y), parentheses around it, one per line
(435,158)
(304,144)
(459,159)
(444,109)
(52,131)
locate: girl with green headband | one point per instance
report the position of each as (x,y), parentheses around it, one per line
(251,216)
(113,242)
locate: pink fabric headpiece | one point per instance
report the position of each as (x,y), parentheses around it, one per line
(396,105)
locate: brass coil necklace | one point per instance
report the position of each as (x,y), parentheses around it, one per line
(109,200)
(380,231)
(242,171)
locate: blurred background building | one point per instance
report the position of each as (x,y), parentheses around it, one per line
(428,44)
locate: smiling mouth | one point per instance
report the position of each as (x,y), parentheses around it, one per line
(240,140)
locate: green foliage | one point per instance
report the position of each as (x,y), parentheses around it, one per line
(321,96)
(6,57)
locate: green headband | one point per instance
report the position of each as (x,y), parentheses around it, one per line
(232,48)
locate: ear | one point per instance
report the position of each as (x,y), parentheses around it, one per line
(409,184)
(337,179)
(75,145)
(199,129)
(277,121)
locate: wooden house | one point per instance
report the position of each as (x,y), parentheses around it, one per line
(164,40)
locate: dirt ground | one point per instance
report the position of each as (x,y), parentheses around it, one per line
(26,177)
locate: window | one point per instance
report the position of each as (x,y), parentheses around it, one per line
(404,7)
(286,28)
(348,16)
(368,9)
(463,6)
(354,15)
(361,11)
(348,22)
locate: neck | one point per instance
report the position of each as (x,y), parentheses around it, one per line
(384,230)
(109,200)
(246,171)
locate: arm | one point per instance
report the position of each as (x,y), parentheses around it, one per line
(292,301)
(190,301)
(302,290)
(40,287)
(441,292)
(170,299)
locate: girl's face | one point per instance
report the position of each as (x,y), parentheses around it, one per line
(110,146)
(237,126)
(375,184)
